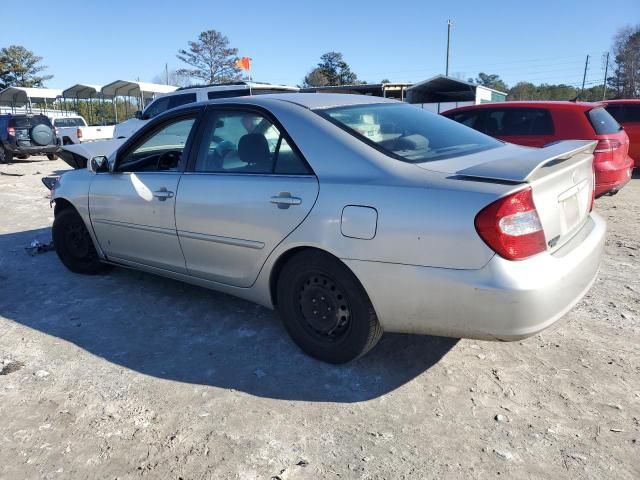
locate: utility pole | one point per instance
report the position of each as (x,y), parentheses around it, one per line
(606,70)
(449,24)
(584,76)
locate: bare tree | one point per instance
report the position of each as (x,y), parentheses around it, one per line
(625,80)
(172,77)
(212,59)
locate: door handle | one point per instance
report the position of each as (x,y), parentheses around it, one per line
(162,194)
(285,200)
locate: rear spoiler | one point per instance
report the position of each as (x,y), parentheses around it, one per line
(526,167)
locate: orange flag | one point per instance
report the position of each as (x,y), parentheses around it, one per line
(244,63)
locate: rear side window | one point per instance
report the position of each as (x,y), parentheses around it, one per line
(228,94)
(518,121)
(602,122)
(182,99)
(617,111)
(468,118)
(632,113)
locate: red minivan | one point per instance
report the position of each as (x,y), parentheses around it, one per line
(627,113)
(537,124)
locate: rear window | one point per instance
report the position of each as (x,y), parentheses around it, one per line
(27,122)
(602,122)
(408,133)
(69,122)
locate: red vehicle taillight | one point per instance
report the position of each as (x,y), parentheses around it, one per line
(79,133)
(11,131)
(607,145)
(511,226)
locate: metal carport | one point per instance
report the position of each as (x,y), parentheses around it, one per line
(27,96)
(140,90)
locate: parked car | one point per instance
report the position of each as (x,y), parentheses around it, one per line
(71,130)
(413,224)
(22,135)
(195,93)
(627,114)
(537,124)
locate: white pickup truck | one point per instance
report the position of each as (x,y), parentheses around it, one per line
(72,130)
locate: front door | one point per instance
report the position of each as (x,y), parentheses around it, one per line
(248,189)
(132,208)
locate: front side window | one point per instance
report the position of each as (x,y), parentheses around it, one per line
(161,150)
(246,142)
(467,118)
(408,133)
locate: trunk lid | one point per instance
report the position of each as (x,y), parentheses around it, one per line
(560,176)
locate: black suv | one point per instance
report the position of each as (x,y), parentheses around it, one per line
(23,135)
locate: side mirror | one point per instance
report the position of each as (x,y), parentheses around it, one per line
(99,164)
(138,115)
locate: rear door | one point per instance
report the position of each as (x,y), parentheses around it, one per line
(249,188)
(532,127)
(132,208)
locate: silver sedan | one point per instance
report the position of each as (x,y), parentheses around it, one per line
(351,215)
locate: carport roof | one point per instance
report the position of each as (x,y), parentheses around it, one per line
(81,90)
(134,89)
(443,89)
(23,95)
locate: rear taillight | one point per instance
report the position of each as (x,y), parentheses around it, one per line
(607,145)
(511,226)
(79,133)
(11,131)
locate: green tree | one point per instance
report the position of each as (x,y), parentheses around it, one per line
(211,59)
(332,70)
(315,78)
(490,81)
(20,67)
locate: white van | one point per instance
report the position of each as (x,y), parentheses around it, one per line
(196,93)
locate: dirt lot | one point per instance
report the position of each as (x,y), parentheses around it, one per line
(128,375)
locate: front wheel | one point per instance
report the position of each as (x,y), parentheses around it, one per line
(74,245)
(325,309)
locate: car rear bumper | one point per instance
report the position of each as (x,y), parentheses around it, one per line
(504,300)
(610,179)
(32,150)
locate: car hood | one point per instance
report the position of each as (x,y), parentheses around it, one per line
(94,149)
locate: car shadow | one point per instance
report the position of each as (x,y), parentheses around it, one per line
(175,331)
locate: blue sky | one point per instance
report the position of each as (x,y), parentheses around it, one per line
(541,41)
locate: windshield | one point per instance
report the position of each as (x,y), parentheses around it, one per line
(407,132)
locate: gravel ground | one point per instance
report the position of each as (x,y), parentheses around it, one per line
(128,375)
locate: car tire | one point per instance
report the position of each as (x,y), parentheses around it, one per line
(325,309)
(74,245)
(52,156)
(5,157)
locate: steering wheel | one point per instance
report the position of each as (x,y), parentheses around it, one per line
(168,160)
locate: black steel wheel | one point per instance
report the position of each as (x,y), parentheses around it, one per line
(74,245)
(325,309)
(5,156)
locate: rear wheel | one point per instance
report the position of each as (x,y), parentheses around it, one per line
(52,156)
(5,156)
(74,245)
(325,309)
